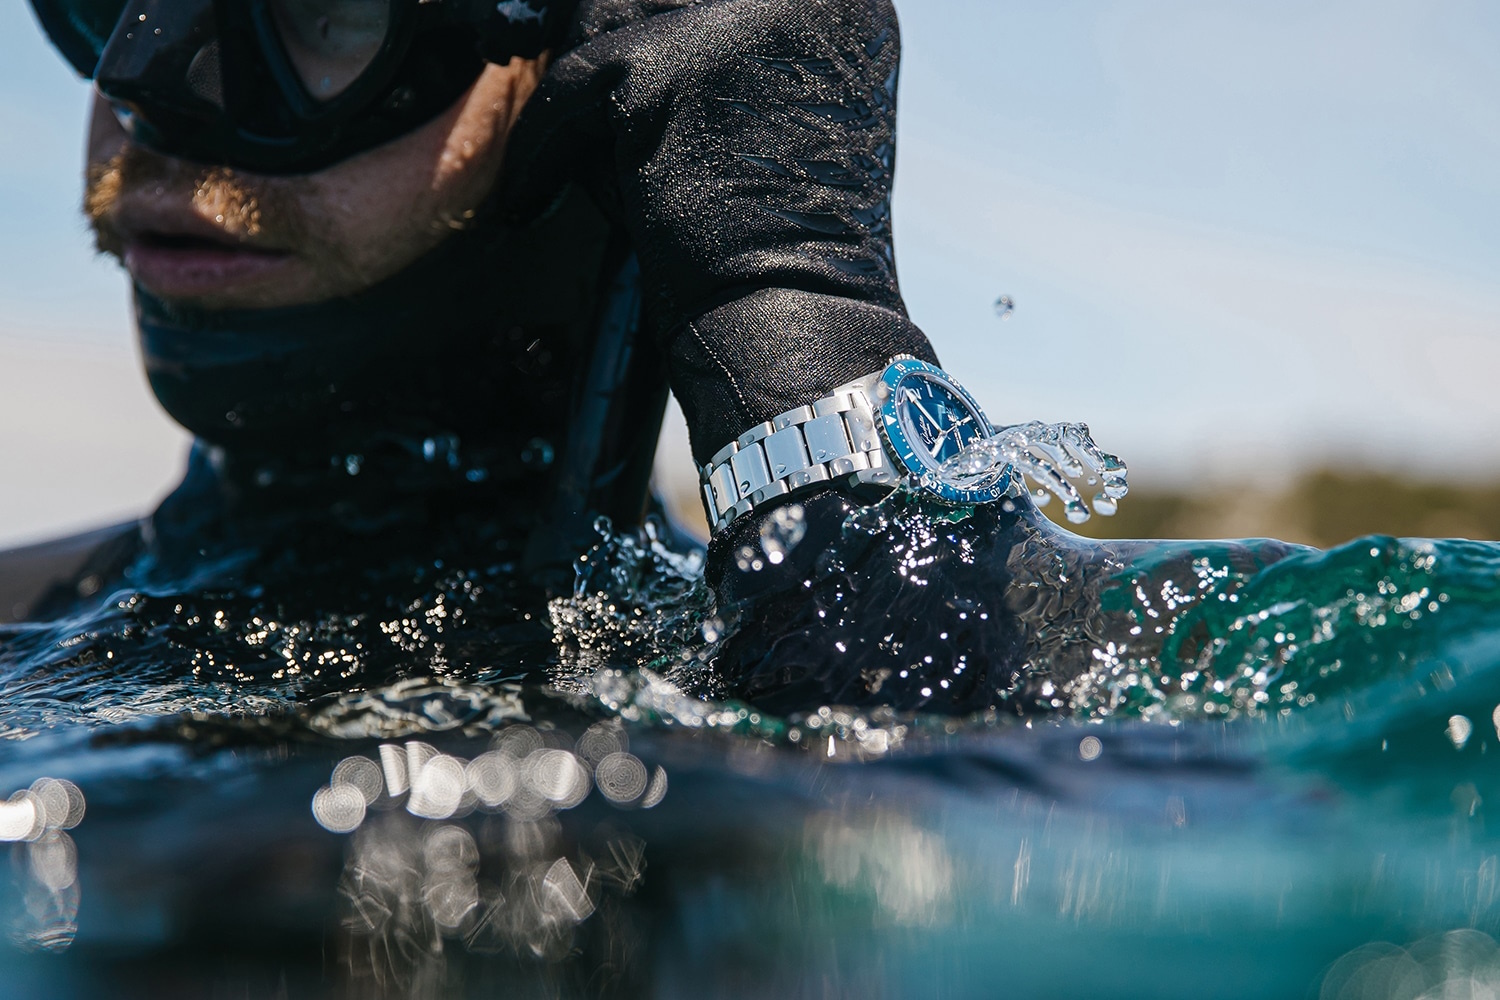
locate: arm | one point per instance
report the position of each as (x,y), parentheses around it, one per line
(747,147)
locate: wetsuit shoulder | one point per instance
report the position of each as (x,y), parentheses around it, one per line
(32,576)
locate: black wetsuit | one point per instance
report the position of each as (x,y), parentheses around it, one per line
(745,150)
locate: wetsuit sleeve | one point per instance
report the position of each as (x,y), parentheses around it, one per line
(747,147)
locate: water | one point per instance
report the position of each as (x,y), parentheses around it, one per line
(1114,769)
(1051,455)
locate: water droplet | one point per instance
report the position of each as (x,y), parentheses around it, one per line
(782,532)
(1106,505)
(1005,307)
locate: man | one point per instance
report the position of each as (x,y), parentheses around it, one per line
(384,265)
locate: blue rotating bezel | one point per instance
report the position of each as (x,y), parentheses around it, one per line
(911,458)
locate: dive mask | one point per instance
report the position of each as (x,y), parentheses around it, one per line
(289,86)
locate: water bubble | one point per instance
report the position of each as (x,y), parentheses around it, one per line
(657,790)
(61,803)
(1089,748)
(1005,307)
(339,808)
(782,532)
(360,773)
(492,778)
(518,742)
(437,788)
(538,454)
(417,756)
(599,741)
(20,819)
(621,777)
(1459,730)
(393,765)
(558,777)
(53,861)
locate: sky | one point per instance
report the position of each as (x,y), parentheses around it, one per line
(1243,239)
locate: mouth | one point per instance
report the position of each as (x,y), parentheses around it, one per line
(177,265)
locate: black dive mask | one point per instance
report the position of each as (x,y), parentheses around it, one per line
(289,86)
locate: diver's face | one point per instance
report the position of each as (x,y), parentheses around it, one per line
(225,239)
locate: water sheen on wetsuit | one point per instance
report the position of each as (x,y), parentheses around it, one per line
(747,147)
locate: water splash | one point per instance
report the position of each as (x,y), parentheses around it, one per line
(1052,455)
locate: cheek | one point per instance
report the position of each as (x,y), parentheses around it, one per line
(106,138)
(384,209)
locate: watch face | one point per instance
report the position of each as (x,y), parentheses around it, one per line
(927,418)
(936,419)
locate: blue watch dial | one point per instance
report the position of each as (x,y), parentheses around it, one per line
(927,418)
(936,419)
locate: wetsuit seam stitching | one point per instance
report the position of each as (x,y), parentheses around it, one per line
(728,375)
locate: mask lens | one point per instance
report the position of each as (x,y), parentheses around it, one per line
(331,43)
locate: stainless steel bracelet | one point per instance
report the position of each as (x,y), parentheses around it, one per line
(833,439)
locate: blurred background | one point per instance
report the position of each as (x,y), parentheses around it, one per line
(1255,245)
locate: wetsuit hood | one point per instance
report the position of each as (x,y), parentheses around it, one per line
(472,347)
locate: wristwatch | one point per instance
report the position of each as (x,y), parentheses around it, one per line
(899,424)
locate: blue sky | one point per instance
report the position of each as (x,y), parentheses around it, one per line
(1242,237)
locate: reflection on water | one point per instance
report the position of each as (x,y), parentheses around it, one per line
(1462,964)
(527,774)
(1138,769)
(478,861)
(44,862)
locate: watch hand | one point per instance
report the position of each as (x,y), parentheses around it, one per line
(930,418)
(938,444)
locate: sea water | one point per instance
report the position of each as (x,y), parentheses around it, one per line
(1218,769)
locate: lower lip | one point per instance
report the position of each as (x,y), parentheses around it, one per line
(187,272)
